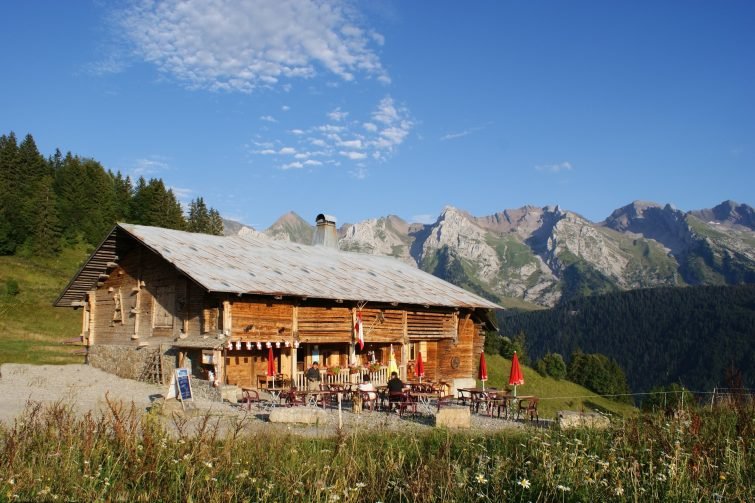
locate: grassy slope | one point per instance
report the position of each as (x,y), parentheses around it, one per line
(546,387)
(31,330)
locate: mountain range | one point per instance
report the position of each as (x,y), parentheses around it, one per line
(541,256)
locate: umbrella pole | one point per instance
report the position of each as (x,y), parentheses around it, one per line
(515,391)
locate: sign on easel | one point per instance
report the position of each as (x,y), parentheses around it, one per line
(180,386)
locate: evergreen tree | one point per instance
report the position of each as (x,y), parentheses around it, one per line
(123,193)
(11,228)
(45,239)
(199,217)
(216,223)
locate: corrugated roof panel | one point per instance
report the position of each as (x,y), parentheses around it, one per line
(251,265)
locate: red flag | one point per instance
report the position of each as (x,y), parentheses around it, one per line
(515,377)
(483,368)
(360,331)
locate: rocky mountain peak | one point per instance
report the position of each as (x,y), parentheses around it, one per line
(291,227)
(729,213)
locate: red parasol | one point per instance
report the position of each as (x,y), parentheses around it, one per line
(483,376)
(271,364)
(420,366)
(515,377)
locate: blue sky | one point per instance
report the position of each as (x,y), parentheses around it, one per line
(363,109)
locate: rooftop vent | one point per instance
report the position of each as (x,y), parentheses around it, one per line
(325,232)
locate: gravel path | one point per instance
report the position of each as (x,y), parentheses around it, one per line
(86,389)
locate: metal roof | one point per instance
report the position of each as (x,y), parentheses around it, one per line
(254,265)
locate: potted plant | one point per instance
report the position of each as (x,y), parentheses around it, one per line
(374,367)
(334,369)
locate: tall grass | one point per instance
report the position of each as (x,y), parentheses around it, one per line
(51,454)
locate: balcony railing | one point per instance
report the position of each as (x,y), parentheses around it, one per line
(378,377)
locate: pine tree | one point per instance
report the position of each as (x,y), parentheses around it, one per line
(124,193)
(11,231)
(45,239)
(216,223)
(199,217)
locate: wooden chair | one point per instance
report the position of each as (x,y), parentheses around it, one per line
(464,397)
(293,398)
(529,407)
(369,399)
(250,396)
(394,399)
(407,402)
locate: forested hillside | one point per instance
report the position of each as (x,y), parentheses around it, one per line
(47,204)
(693,336)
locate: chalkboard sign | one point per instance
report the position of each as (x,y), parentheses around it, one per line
(184,384)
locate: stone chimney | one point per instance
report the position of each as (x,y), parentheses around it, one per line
(325,232)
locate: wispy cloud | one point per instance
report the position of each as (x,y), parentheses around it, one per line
(243,45)
(354,140)
(461,134)
(338,115)
(149,166)
(554,168)
(268,118)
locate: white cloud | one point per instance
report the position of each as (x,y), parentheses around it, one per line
(285,108)
(268,118)
(149,166)
(312,162)
(454,136)
(355,141)
(354,156)
(181,193)
(554,168)
(243,45)
(386,111)
(292,165)
(353,144)
(338,115)
(360,172)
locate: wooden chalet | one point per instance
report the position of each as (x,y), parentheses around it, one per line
(153,299)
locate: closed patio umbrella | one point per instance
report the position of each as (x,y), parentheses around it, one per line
(483,375)
(515,377)
(271,364)
(420,366)
(392,367)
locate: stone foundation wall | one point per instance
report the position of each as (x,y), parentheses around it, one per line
(129,361)
(201,388)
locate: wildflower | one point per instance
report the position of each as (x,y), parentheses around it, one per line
(563,489)
(334,497)
(214,479)
(661,477)
(187,456)
(722,476)
(361,485)
(618,491)
(208,464)
(480,479)
(525,483)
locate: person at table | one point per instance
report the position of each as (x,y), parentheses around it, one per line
(368,387)
(395,388)
(313,377)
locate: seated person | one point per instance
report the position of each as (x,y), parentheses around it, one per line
(395,385)
(369,388)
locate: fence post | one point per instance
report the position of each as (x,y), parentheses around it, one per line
(713,398)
